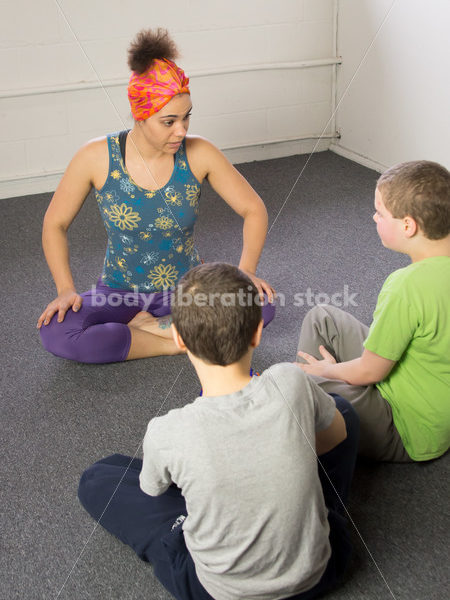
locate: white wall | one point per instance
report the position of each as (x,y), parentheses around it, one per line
(398,106)
(240,111)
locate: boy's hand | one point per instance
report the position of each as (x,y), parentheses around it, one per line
(367,369)
(317,367)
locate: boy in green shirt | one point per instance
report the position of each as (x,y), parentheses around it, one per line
(397,373)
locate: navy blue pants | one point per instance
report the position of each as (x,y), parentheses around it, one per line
(152,525)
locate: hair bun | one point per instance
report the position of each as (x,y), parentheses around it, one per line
(148,45)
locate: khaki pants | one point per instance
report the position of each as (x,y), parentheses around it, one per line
(343,336)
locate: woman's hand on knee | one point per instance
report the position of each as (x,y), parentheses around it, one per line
(262,286)
(60,305)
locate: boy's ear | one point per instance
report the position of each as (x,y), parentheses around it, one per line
(256,338)
(178,339)
(410,227)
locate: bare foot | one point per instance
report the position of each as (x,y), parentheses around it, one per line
(159,326)
(142,320)
(151,336)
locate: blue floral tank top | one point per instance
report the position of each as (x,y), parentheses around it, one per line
(150,233)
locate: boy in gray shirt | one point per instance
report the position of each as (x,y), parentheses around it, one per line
(228,503)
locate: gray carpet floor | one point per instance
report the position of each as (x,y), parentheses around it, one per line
(58,417)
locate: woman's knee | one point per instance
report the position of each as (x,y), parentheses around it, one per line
(268,313)
(60,339)
(82,339)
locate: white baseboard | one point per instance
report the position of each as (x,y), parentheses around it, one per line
(24,185)
(275,150)
(358,158)
(29,184)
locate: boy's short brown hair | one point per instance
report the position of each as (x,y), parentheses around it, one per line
(216,310)
(419,189)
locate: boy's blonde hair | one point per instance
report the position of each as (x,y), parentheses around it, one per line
(419,189)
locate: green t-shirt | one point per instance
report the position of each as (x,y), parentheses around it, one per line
(411,325)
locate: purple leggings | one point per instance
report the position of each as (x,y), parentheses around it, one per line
(98,332)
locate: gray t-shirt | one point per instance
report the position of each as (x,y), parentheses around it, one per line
(257,523)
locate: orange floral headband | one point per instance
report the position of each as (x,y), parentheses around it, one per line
(150,92)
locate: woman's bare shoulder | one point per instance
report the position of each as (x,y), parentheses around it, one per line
(93,158)
(94,148)
(198,143)
(200,154)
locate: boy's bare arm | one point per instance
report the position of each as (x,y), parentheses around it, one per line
(333,435)
(367,369)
